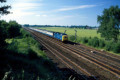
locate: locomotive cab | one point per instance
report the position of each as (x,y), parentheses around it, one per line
(64,38)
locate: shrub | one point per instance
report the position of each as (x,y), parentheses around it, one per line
(116,48)
(13,46)
(85,40)
(24,33)
(108,45)
(90,41)
(72,38)
(93,42)
(101,43)
(39,46)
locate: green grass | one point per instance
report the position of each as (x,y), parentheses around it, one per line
(25,55)
(24,44)
(71,31)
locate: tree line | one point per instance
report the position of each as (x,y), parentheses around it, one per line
(72,26)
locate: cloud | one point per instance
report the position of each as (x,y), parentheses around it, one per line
(26,6)
(23,9)
(44,15)
(68,8)
(75,7)
(41,15)
(28,1)
(37,15)
(57,18)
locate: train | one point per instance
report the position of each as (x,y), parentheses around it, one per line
(57,35)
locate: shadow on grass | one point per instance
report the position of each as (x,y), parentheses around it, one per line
(18,66)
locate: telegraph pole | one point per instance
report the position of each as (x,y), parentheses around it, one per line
(65,31)
(75,35)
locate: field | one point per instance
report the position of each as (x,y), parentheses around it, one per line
(71,31)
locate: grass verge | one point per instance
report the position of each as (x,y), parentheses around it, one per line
(24,60)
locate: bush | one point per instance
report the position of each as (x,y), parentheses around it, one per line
(39,46)
(90,41)
(72,38)
(117,48)
(108,46)
(13,46)
(101,43)
(84,40)
(93,42)
(24,33)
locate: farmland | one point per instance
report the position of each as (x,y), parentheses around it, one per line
(71,31)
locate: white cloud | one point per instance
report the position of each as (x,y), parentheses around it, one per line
(28,0)
(22,9)
(26,6)
(68,8)
(57,18)
(44,15)
(38,15)
(18,14)
(75,7)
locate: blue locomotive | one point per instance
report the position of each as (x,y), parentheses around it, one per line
(60,36)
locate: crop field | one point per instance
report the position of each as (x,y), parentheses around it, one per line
(71,31)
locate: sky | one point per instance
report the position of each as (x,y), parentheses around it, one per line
(57,12)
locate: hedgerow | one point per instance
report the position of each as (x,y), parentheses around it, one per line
(100,43)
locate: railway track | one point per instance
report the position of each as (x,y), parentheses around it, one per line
(86,56)
(103,53)
(110,62)
(69,64)
(103,66)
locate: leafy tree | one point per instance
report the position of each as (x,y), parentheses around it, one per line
(3,25)
(4,9)
(13,29)
(3,34)
(109,23)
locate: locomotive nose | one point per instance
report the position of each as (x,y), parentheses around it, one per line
(65,38)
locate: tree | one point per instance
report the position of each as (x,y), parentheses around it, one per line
(3,25)
(109,23)
(3,34)
(13,29)
(4,9)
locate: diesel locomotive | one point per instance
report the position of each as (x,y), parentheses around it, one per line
(60,36)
